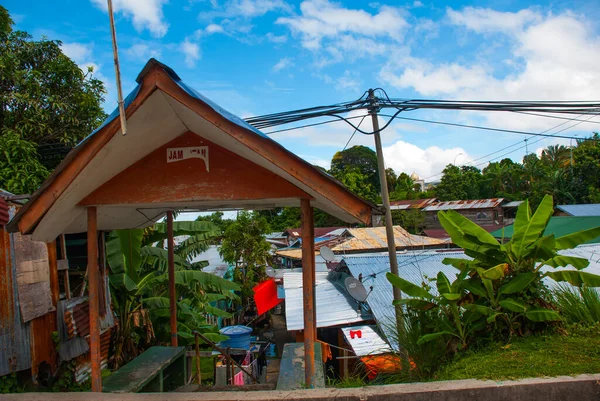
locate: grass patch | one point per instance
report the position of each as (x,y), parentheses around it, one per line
(575,352)
(206,369)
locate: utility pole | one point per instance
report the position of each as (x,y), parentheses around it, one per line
(385,197)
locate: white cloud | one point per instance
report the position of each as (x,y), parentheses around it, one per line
(143,51)
(407,157)
(487,20)
(285,62)
(553,57)
(321,19)
(145,14)
(191,51)
(245,9)
(417,4)
(348,81)
(255,8)
(271,37)
(78,52)
(214,28)
(318,161)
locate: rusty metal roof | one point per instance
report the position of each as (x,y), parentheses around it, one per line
(465,204)
(374,238)
(412,203)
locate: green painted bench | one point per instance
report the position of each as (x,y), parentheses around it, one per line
(158,369)
(291,369)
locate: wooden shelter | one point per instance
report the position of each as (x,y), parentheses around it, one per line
(181,152)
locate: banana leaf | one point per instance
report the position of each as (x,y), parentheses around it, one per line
(518,283)
(407,287)
(513,305)
(527,233)
(570,241)
(576,278)
(562,261)
(542,315)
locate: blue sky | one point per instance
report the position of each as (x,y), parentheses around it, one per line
(260,56)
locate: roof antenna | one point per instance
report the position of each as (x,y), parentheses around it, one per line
(117,69)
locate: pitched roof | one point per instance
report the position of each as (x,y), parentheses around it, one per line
(161,109)
(592,209)
(374,238)
(559,226)
(412,203)
(465,204)
(319,231)
(333,306)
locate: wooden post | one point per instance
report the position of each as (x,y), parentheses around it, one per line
(172,292)
(92,250)
(66,279)
(308,285)
(198,370)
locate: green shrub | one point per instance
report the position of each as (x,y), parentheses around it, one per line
(578,305)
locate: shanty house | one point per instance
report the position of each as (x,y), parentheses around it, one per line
(487,213)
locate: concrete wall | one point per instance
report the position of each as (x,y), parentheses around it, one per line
(579,388)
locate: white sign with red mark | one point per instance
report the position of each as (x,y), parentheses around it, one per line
(192,152)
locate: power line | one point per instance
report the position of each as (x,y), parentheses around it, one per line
(312,125)
(352,136)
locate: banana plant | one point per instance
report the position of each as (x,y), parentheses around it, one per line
(502,276)
(140,283)
(456,320)
(502,282)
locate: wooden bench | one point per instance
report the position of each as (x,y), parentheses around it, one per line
(158,369)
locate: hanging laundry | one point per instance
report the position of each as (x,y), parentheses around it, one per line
(325,351)
(238,379)
(265,296)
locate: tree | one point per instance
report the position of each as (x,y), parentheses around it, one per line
(359,183)
(586,170)
(410,219)
(556,156)
(391,178)
(45,99)
(357,158)
(244,246)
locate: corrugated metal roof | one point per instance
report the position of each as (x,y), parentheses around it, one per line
(416,267)
(413,266)
(559,226)
(373,238)
(592,209)
(411,204)
(333,307)
(513,204)
(465,204)
(369,342)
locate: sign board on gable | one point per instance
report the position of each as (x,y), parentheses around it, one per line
(192,152)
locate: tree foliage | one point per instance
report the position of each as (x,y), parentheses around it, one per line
(244,246)
(45,99)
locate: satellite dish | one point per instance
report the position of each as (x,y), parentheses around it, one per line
(270,271)
(327,254)
(356,289)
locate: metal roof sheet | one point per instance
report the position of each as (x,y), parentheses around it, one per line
(372,238)
(369,342)
(513,204)
(333,307)
(559,226)
(413,266)
(592,209)
(465,204)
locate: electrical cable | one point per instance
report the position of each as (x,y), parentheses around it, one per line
(352,136)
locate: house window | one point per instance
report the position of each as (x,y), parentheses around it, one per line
(481,216)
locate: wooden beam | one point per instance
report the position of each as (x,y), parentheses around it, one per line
(77,160)
(308,285)
(172,291)
(92,249)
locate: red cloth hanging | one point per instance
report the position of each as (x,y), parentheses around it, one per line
(265,296)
